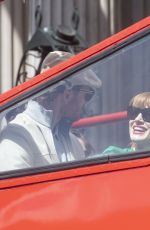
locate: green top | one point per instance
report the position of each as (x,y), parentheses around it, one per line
(115,150)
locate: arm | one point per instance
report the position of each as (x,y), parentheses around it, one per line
(15,149)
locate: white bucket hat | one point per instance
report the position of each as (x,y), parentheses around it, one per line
(86,78)
(54,58)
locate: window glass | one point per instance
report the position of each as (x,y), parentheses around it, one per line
(40,132)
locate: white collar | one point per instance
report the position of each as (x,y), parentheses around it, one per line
(39,113)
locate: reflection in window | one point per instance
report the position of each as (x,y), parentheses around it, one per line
(39,132)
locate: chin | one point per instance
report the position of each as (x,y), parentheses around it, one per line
(140,138)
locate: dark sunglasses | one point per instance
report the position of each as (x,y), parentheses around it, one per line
(88,93)
(134,111)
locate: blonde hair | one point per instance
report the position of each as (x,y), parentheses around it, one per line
(141,100)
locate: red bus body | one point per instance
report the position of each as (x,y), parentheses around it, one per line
(114,195)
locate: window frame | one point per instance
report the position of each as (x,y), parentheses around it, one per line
(62,71)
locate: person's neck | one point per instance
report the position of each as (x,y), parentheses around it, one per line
(141,145)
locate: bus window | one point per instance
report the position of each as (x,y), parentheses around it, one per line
(39,131)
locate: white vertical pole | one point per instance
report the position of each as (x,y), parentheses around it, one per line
(18,31)
(5,46)
(112,17)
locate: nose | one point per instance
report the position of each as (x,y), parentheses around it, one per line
(139,118)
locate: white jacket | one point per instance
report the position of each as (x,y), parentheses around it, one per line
(27,141)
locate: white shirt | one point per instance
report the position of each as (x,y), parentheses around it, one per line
(27,141)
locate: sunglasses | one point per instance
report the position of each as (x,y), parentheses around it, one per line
(133,112)
(88,92)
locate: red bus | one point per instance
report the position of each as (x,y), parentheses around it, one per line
(107,188)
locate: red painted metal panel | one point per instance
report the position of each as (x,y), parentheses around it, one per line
(114,200)
(90,121)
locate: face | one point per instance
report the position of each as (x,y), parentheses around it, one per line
(76,103)
(139,126)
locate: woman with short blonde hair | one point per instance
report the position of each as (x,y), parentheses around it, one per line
(139,125)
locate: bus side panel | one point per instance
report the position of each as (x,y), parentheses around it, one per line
(110,200)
